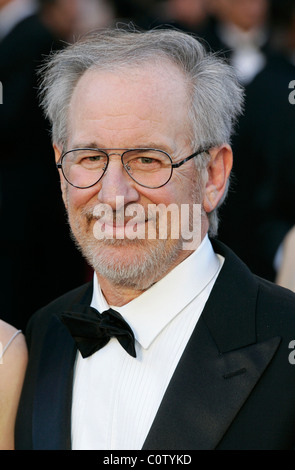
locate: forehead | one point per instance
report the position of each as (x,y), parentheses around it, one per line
(147,96)
(156,76)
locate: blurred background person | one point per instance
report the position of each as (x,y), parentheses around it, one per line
(13,12)
(187,15)
(68,19)
(236,28)
(60,17)
(94,14)
(142,13)
(264,149)
(283,21)
(37,256)
(239,29)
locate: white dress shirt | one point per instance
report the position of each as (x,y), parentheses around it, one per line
(115,396)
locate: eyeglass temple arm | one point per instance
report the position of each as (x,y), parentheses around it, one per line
(177,165)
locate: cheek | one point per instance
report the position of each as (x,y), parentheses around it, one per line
(175,192)
(165,195)
(184,188)
(78,198)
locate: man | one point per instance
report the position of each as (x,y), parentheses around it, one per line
(142,123)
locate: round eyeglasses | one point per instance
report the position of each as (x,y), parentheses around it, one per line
(151,168)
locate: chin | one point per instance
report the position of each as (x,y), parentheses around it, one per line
(135,264)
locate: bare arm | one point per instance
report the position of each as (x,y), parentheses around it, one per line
(286,275)
(12,370)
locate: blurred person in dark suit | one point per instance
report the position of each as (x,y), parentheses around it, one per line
(13,12)
(33,231)
(188,15)
(60,17)
(263,190)
(139,12)
(239,29)
(95,14)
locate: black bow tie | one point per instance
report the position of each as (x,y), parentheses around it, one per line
(92,330)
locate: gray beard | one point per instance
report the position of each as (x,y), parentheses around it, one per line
(150,263)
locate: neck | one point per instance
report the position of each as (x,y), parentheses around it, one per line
(117,295)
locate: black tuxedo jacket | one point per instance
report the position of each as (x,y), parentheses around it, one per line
(234,387)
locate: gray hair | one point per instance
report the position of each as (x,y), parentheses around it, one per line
(216,96)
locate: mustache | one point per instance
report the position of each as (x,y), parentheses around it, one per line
(120,216)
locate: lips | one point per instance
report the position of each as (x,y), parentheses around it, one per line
(133,221)
(111,229)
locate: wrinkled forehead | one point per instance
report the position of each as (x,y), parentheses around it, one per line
(156,77)
(130,97)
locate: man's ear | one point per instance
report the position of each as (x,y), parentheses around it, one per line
(219,169)
(63,183)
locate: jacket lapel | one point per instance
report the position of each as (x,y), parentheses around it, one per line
(52,403)
(207,391)
(219,368)
(53,395)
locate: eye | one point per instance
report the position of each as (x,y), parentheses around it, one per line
(95,158)
(144,164)
(91,161)
(145,160)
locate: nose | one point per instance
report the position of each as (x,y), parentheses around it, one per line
(116,182)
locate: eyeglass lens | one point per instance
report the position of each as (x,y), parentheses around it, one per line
(148,167)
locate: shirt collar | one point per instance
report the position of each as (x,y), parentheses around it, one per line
(149,313)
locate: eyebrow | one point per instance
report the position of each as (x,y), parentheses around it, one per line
(149,145)
(83,145)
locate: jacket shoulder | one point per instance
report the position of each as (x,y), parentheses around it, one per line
(276,297)
(275,309)
(40,319)
(257,309)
